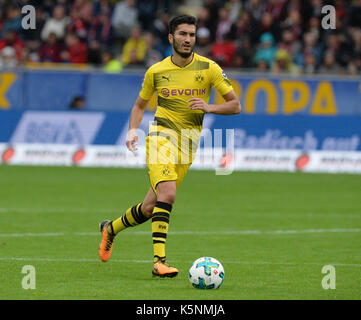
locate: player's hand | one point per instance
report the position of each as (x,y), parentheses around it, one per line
(132,140)
(198,104)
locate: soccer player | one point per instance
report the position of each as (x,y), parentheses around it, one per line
(183,82)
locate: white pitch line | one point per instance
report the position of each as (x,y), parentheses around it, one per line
(113,211)
(175,261)
(220,232)
(68,260)
(30,234)
(58,210)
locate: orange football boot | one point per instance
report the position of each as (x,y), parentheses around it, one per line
(106,246)
(162,269)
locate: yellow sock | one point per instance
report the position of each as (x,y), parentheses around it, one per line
(160,224)
(132,217)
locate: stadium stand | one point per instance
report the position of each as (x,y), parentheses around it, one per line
(274,36)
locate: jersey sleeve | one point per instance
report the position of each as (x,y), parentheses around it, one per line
(220,80)
(148,89)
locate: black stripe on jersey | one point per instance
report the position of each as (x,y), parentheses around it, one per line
(199,65)
(159,133)
(195,118)
(172,104)
(166,123)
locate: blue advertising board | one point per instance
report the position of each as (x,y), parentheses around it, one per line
(296,132)
(281,95)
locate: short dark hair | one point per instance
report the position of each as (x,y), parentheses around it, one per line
(176,21)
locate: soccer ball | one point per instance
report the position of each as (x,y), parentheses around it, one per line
(206,273)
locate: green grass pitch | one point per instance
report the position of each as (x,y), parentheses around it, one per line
(273,233)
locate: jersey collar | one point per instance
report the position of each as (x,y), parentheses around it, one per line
(186,66)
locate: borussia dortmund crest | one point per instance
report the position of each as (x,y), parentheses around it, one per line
(199,77)
(165,171)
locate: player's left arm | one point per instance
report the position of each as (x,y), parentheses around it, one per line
(229,107)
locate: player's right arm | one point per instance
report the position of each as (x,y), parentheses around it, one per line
(135,119)
(139,107)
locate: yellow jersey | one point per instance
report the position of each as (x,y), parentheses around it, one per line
(175,86)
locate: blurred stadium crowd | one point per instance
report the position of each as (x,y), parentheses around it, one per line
(268,36)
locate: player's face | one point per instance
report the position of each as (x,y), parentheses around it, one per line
(184,39)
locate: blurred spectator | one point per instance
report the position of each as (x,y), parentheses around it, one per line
(203,47)
(256,7)
(354,67)
(101,29)
(266,50)
(223,52)
(11,39)
(152,55)
(355,13)
(314,26)
(30,53)
(234,7)
(134,49)
(94,53)
(317,7)
(357,42)
(213,9)
(12,20)
(8,58)
(205,21)
(51,49)
(244,55)
(330,65)
(224,24)
(293,21)
(125,17)
(160,31)
(103,6)
(290,43)
(341,10)
(310,46)
(147,12)
(276,8)
(76,24)
(262,66)
(245,26)
(336,43)
(78,103)
(310,64)
(56,24)
(267,24)
(84,9)
(283,63)
(111,63)
(75,50)
(49,6)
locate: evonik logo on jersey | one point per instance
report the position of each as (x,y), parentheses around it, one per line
(180,92)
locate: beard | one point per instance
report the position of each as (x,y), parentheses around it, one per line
(184,55)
